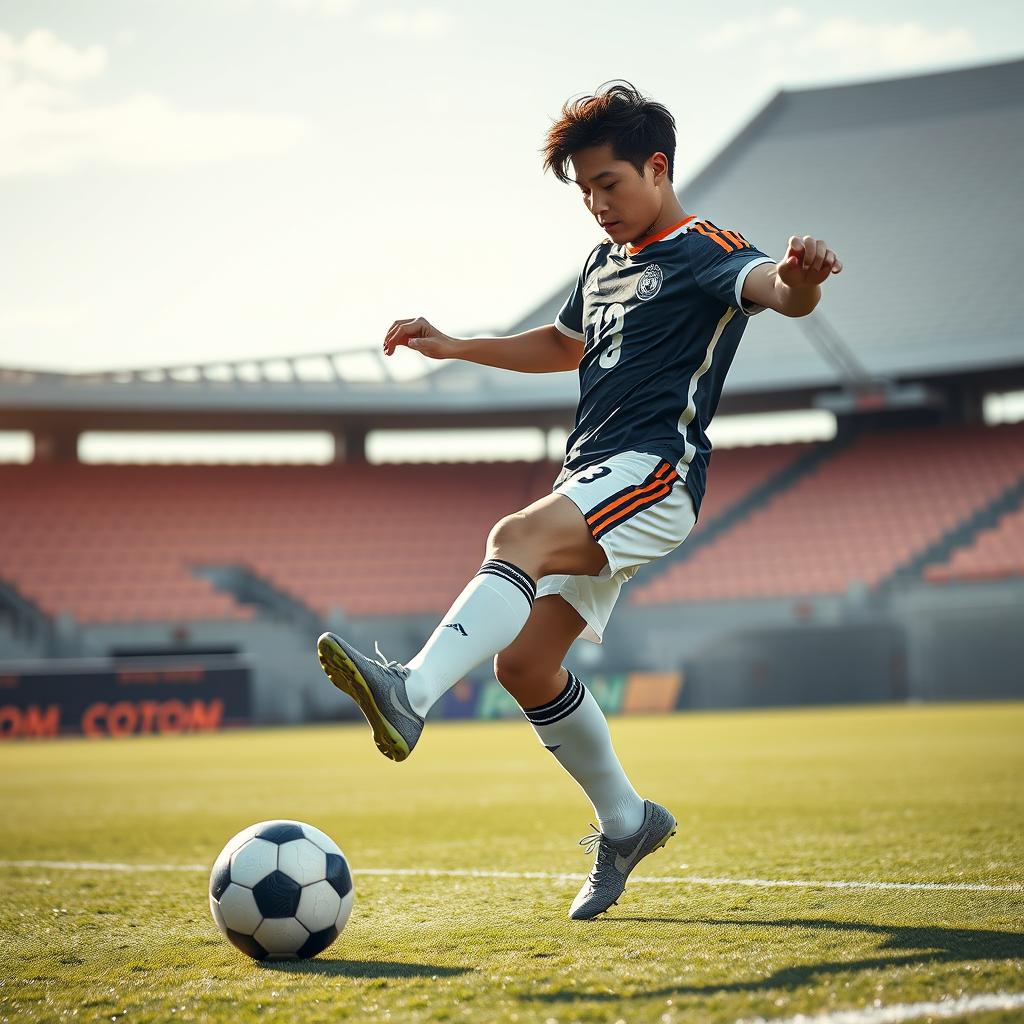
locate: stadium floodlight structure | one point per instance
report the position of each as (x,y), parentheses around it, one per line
(918,192)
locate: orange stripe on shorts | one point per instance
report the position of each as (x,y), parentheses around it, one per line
(635,493)
(650,499)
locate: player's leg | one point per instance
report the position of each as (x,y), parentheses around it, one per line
(571,725)
(564,714)
(550,536)
(638,509)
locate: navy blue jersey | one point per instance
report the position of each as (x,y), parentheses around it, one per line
(660,324)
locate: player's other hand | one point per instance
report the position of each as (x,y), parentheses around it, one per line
(808,262)
(419,335)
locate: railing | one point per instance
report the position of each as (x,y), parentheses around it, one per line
(352,366)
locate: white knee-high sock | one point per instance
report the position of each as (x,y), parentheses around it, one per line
(486,617)
(574,729)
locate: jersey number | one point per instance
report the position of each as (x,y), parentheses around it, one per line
(606,326)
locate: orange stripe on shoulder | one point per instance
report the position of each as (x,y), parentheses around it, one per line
(714,236)
(735,238)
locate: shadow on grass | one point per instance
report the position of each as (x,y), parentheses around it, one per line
(923,945)
(361,968)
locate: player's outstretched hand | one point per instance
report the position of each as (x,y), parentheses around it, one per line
(419,335)
(808,262)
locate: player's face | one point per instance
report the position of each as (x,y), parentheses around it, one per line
(623,203)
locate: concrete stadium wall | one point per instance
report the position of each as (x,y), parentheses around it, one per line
(922,642)
(287,683)
(963,641)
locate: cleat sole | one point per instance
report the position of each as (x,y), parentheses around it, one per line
(345,675)
(664,842)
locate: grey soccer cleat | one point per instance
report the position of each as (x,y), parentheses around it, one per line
(616,858)
(378,687)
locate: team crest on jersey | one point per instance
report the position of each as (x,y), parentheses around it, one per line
(650,282)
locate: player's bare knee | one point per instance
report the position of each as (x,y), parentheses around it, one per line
(512,669)
(527,681)
(510,532)
(519,540)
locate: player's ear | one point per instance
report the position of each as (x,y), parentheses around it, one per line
(658,164)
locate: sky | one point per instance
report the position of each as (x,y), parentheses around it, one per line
(195,180)
(190,180)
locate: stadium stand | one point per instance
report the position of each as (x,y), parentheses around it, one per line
(996,553)
(739,471)
(121,543)
(857,518)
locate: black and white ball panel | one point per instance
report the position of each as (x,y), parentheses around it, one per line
(220,876)
(321,839)
(281,888)
(302,860)
(279,831)
(281,936)
(277,895)
(319,906)
(240,910)
(252,862)
(338,874)
(319,941)
(247,944)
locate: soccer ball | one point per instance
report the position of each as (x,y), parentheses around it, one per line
(281,890)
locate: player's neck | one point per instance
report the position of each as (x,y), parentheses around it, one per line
(671,214)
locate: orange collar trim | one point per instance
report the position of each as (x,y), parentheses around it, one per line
(651,239)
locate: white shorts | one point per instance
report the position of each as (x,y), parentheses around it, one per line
(638,509)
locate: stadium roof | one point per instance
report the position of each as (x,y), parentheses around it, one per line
(914,181)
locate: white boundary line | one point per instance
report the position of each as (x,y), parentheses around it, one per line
(903,1011)
(760,883)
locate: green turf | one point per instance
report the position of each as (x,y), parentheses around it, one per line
(897,793)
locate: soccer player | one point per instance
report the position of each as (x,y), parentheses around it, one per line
(652,325)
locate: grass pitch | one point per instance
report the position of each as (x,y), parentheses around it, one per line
(897,794)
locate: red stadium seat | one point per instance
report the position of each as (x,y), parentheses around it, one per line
(857,518)
(120,543)
(995,554)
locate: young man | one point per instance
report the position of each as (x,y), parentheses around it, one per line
(652,325)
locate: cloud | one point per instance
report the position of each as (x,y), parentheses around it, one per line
(795,46)
(43,53)
(740,31)
(47,125)
(319,8)
(422,22)
(330,8)
(23,318)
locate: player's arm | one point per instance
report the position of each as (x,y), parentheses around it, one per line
(542,350)
(793,285)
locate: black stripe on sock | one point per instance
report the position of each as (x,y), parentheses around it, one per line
(566,711)
(569,682)
(564,704)
(524,576)
(507,571)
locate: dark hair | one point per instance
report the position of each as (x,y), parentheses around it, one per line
(618,114)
